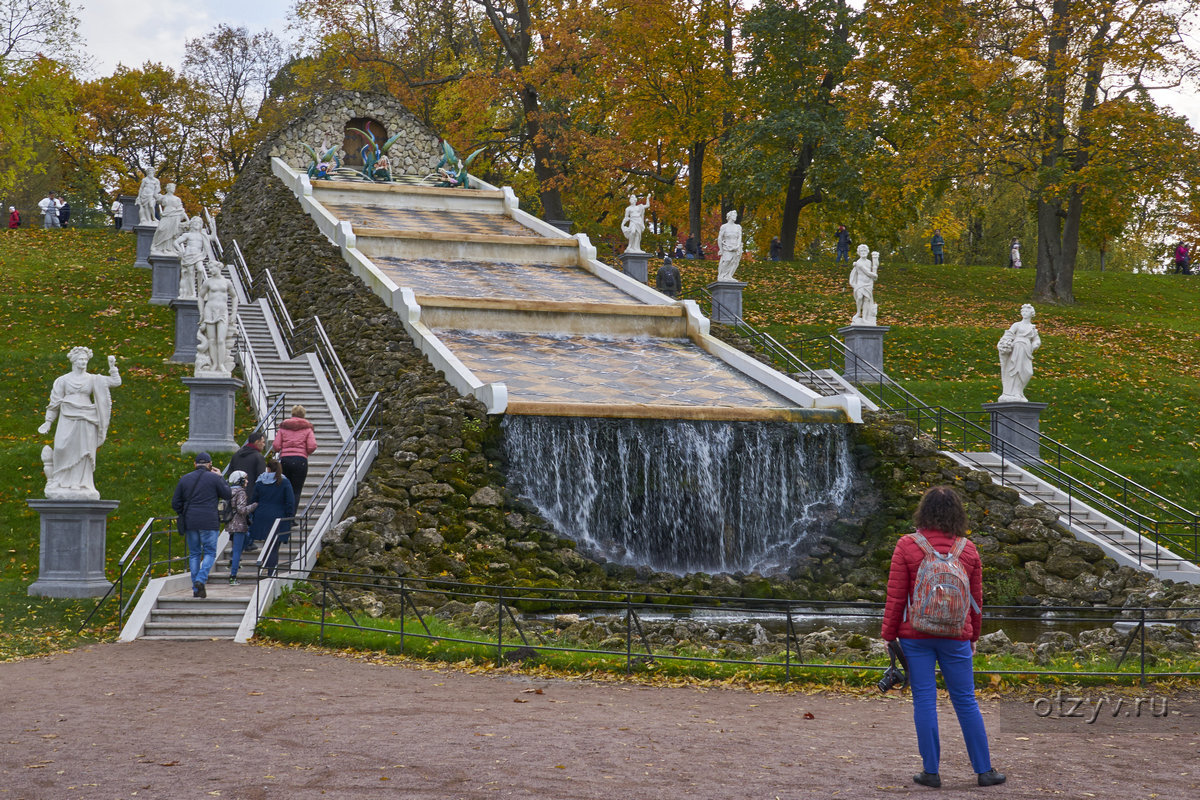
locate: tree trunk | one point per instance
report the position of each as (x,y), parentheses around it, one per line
(794,202)
(544,168)
(696,192)
(1049,251)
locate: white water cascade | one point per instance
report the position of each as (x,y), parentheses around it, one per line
(682,496)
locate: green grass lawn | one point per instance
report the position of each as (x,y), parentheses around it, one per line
(59,289)
(1120,369)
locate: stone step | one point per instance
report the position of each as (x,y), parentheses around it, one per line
(200,630)
(207,605)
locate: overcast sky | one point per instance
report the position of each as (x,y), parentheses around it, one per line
(132,32)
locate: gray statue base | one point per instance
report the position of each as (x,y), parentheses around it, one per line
(727,301)
(210,418)
(636,266)
(129,212)
(563,225)
(145,237)
(1015,427)
(864,352)
(164,286)
(71,561)
(187,322)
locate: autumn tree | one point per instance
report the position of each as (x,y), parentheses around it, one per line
(795,140)
(1035,85)
(232,69)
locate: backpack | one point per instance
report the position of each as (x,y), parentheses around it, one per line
(941,595)
(225,511)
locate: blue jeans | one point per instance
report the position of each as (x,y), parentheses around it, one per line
(843,254)
(202,552)
(954,657)
(238,543)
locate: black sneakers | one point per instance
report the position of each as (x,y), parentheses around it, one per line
(198,590)
(991,778)
(931,779)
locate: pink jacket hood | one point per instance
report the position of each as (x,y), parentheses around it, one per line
(295,437)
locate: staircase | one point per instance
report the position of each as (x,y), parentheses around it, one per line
(167,609)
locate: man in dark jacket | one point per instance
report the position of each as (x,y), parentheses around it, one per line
(249,459)
(195,501)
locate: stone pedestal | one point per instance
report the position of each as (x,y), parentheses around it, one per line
(129,212)
(71,561)
(563,225)
(210,417)
(1015,426)
(864,359)
(727,301)
(187,321)
(145,236)
(164,286)
(636,266)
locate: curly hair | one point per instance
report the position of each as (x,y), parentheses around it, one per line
(941,509)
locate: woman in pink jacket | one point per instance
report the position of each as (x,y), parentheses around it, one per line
(294,443)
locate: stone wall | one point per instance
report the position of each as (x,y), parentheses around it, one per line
(417,152)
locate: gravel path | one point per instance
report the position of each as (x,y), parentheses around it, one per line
(185,720)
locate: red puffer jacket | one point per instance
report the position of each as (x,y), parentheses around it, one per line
(295,437)
(906,559)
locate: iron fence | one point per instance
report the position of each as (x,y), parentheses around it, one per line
(515,619)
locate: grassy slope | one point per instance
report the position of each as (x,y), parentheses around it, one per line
(59,289)
(1120,369)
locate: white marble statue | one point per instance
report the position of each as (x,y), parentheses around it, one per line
(81,402)
(729,247)
(147,198)
(210,227)
(195,250)
(862,280)
(170,225)
(634,223)
(1016,348)
(217,305)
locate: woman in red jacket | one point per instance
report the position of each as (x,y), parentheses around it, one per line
(294,443)
(941,519)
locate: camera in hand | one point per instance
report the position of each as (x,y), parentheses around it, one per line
(896,674)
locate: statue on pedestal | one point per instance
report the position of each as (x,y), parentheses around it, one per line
(634,223)
(83,406)
(195,250)
(217,305)
(170,225)
(862,281)
(147,198)
(729,247)
(1016,348)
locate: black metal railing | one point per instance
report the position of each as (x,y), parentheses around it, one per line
(152,554)
(297,546)
(1081,479)
(515,624)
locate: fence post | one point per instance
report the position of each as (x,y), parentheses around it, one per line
(403,611)
(499,627)
(787,646)
(628,633)
(1142,679)
(324,603)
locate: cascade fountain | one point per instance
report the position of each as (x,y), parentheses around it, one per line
(682,496)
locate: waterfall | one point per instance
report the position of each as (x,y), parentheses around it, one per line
(682,496)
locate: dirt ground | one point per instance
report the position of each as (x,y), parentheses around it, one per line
(185,720)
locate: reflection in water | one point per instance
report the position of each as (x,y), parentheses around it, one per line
(682,496)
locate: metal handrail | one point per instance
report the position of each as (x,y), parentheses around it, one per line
(891,396)
(248,361)
(155,528)
(243,270)
(310,336)
(306,519)
(278,307)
